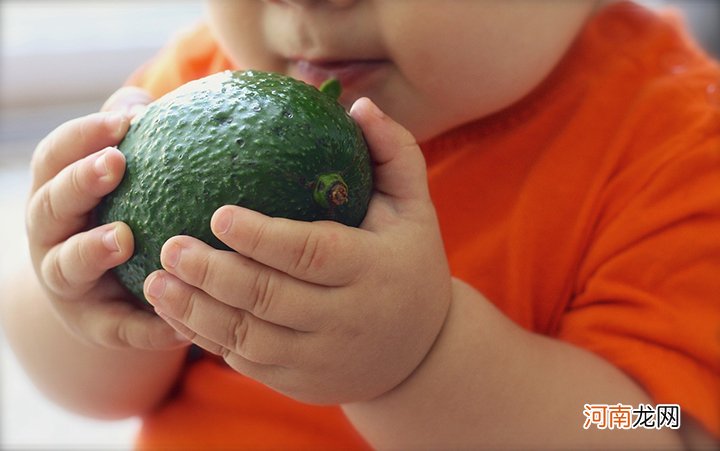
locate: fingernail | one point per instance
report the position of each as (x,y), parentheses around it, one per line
(156,287)
(222,221)
(171,255)
(372,108)
(101,167)
(110,241)
(117,123)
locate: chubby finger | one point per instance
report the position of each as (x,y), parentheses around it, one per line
(129,100)
(216,326)
(60,207)
(324,252)
(117,324)
(266,373)
(72,267)
(243,283)
(400,170)
(74,140)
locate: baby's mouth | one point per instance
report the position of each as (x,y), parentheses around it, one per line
(349,72)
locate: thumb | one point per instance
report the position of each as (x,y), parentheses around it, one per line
(130,100)
(400,170)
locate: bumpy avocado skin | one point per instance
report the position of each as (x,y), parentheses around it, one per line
(254,139)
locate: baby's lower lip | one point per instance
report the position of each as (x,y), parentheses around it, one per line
(348,72)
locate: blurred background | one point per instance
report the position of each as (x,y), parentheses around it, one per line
(59,60)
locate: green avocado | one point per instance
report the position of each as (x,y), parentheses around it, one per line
(260,140)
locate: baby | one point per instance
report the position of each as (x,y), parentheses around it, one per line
(539,271)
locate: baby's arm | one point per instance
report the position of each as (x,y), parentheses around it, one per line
(82,377)
(71,324)
(499,386)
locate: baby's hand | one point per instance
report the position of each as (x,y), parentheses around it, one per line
(322,312)
(72,169)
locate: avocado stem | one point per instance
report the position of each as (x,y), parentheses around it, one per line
(338,194)
(330,191)
(331,87)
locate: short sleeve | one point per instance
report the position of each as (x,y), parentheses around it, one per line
(649,288)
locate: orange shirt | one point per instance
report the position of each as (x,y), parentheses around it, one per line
(589,211)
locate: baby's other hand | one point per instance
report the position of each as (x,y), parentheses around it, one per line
(72,169)
(319,311)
